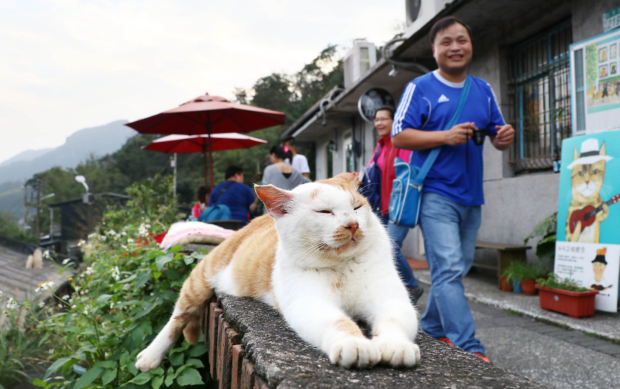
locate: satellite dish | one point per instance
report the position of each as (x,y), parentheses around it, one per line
(370,101)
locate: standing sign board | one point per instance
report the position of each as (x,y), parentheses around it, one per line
(595,75)
(588,237)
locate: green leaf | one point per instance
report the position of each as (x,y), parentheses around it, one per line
(88,377)
(108,377)
(157,381)
(176,249)
(157,274)
(198,350)
(195,362)
(142,277)
(158,371)
(190,377)
(103,298)
(173,274)
(170,295)
(106,364)
(162,260)
(189,260)
(137,336)
(55,366)
(142,378)
(146,310)
(128,279)
(177,359)
(39,382)
(170,379)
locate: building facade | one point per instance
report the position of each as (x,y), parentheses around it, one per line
(522,49)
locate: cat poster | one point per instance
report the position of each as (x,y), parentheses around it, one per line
(588,210)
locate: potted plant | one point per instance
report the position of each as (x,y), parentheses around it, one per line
(506,281)
(565,296)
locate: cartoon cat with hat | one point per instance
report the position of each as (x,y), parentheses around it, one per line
(587,210)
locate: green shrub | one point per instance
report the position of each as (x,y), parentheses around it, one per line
(519,271)
(121,300)
(554,282)
(545,248)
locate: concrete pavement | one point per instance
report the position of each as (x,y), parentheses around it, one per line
(553,352)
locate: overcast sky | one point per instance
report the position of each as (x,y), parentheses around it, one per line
(68,64)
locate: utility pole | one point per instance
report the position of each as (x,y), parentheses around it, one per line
(25,207)
(38,226)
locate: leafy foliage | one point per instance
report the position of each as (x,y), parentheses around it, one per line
(519,271)
(545,248)
(119,303)
(10,228)
(554,282)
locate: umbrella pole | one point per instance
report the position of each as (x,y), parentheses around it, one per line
(210,152)
(204,167)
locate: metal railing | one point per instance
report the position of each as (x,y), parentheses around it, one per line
(539,93)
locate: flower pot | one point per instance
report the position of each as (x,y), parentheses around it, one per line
(574,304)
(506,286)
(529,287)
(516,286)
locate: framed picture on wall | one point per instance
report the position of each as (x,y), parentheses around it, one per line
(613,68)
(602,54)
(613,51)
(602,71)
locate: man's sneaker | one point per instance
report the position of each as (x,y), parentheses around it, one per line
(483,357)
(414,294)
(446,341)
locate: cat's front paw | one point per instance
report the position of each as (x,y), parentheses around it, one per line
(148,360)
(354,352)
(398,353)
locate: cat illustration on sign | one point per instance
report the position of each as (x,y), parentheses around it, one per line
(587,210)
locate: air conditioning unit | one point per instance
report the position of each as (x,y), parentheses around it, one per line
(358,61)
(419,12)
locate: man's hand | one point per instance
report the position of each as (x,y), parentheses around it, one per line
(505,136)
(459,134)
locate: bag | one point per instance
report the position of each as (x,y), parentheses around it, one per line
(217,211)
(371,183)
(407,187)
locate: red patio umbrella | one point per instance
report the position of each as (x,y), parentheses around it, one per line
(200,143)
(209,115)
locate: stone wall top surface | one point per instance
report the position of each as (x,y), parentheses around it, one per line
(284,360)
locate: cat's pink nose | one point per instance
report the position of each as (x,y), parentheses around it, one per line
(353,227)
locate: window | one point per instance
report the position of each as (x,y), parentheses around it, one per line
(539,90)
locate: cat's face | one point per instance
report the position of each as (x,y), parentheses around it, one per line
(587,180)
(329,219)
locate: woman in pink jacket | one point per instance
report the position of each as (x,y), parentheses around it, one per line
(383,123)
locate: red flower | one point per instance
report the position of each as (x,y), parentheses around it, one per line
(125,254)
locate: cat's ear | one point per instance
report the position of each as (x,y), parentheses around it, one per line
(575,154)
(603,150)
(348,177)
(276,200)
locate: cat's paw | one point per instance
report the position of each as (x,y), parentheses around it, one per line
(397,353)
(148,360)
(354,352)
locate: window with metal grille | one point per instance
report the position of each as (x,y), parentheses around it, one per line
(539,90)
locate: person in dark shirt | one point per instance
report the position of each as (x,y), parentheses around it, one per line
(235,194)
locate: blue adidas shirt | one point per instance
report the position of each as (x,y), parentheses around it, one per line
(428,104)
(238,197)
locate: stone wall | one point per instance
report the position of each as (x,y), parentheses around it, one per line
(250,346)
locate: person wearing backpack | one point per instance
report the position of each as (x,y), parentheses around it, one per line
(383,159)
(451,191)
(233,194)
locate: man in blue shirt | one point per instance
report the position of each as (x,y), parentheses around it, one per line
(452,195)
(235,194)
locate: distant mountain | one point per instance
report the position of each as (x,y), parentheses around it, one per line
(27,155)
(79,146)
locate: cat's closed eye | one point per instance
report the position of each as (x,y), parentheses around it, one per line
(358,207)
(325,211)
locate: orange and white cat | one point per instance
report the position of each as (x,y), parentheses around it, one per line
(586,182)
(321,258)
